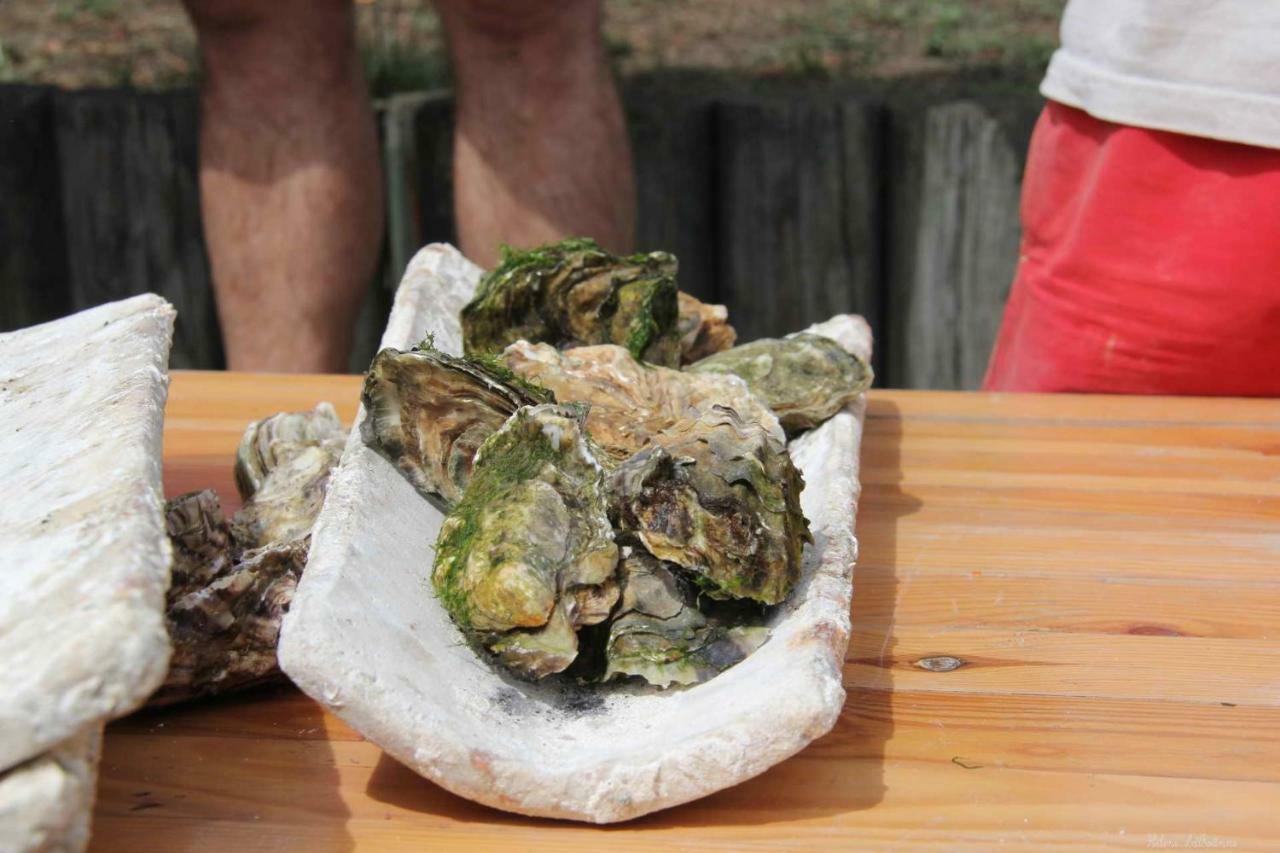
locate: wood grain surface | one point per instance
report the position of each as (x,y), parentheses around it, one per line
(1067,631)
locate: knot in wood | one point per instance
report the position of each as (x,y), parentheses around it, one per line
(941,663)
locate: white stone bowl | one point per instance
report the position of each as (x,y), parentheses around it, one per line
(367,638)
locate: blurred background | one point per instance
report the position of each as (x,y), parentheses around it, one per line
(800,157)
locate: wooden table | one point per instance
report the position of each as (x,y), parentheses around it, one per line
(1067,629)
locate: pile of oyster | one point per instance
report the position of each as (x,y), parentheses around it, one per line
(234,579)
(619,499)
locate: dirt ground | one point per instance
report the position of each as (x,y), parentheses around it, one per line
(149,44)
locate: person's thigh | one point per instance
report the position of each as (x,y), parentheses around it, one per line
(1150,264)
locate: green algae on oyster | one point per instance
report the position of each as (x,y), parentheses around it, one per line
(428,413)
(804,378)
(660,635)
(720,497)
(632,403)
(573,293)
(526,556)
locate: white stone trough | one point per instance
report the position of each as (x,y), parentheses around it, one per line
(366,637)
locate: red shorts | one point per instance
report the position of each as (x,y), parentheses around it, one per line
(1150,264)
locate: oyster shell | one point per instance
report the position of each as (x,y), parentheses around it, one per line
(704,329)
(232,581)
(720,497)
(271,442)
(573,293)
(429,412)
(527,555)
(660,635)
(282,472)
(804,378)
(631,403)
(225,604)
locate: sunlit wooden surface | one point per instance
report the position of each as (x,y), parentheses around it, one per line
(1106,572)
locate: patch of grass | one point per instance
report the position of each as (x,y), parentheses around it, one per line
(401,47)
(857,36)
(67,10)
(970,33)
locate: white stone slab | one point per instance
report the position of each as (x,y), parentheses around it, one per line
(84,559)
(366,637)
(46,803)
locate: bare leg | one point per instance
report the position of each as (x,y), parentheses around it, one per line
(290,179)
(540,151)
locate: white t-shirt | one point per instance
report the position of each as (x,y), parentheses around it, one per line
(1200,67)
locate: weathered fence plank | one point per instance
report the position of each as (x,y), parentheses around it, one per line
(673,149)
(954,246)
(433,133)
(131,209)
(33,269)
(797,209)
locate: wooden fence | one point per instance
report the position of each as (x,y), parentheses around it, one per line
(788,206)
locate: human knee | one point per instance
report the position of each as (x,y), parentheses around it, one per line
(499,20)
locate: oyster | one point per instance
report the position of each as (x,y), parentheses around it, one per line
(720,497)
(275,441)
(232,581)
(527,555)
(225,603)
(282,472)
(804,378)
(630,402)
(573,293)
(660,635)
(428,413)
(704,329)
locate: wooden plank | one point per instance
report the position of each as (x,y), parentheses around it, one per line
(1022,545)
(346,795)
(1070,734)
(33,253)
(1042,663)
(1061,734)
(954,195)
(130,200)
(671,130)
(951,598)
(1227,443)
(1080,410)
(797,212)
